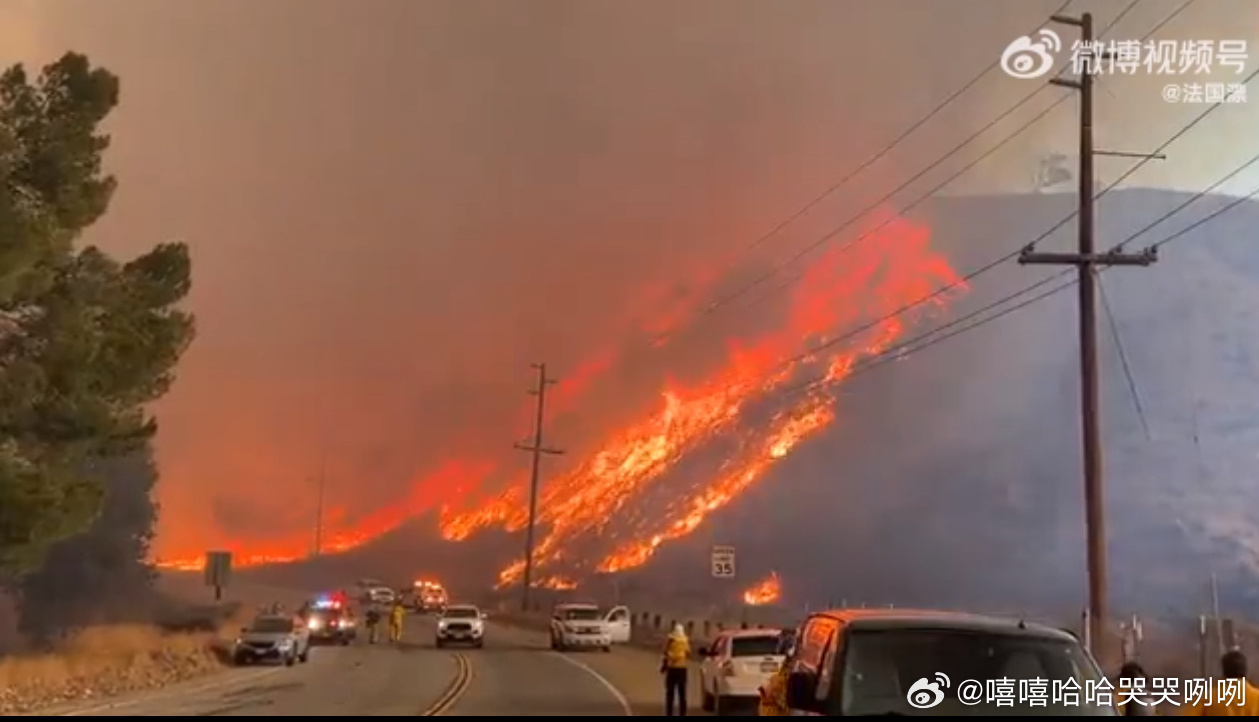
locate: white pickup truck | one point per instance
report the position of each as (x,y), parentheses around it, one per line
(585,626)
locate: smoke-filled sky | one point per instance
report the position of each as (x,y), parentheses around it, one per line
(395,206)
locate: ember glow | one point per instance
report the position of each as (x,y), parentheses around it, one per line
(619,502)
(767,591)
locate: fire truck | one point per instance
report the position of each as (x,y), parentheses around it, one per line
(428,596)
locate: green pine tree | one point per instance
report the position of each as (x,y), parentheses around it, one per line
(86,341)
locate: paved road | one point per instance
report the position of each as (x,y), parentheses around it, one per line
(634,670)
(379,680)
(515,674)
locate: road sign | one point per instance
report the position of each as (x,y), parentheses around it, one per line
(723,562)
(218,570)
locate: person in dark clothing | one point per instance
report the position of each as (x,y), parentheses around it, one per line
(1233,664)
(373,623)
(675,690)
(1243,702)
(677,652)
(1132,677)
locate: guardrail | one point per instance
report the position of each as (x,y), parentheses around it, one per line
(647,629)
(1164,649)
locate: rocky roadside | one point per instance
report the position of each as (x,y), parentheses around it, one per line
(34,683)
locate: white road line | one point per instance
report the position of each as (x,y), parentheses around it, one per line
(616,693)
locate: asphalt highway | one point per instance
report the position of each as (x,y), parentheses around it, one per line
(514,674)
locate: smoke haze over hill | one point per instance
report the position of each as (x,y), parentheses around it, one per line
(394,207)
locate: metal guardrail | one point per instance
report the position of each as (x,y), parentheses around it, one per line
(1162,649)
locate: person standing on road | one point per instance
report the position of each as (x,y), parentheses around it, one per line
(397,613)
(773,701)
(1232,666)
(1134,699)
(373,623)
(677,652)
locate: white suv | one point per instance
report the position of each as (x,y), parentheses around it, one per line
(580,626)
(736,666)
(461,623)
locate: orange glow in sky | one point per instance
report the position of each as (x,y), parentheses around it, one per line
(617,500)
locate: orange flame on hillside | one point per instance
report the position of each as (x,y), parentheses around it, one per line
(557,583)
(618,505)
(767,591)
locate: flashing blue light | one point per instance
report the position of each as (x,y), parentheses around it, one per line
(326,603)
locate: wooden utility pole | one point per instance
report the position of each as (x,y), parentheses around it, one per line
(1087,260)
(319,502)
(537,450)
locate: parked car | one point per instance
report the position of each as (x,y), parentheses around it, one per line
(273,638)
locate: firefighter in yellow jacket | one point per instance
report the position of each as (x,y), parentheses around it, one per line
(397,613)
(677,652)
(774,694)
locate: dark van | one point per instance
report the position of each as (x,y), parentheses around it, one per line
(886,662)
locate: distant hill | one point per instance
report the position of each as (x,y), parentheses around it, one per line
(956,473)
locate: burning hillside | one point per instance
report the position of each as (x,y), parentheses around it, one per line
(621,500)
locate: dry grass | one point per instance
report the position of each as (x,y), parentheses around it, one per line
(106,661)
(191,637)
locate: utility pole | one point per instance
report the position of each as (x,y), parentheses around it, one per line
(1087,260)
(319,502)
(537,450)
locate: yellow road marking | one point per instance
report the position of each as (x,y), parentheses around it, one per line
(458,686)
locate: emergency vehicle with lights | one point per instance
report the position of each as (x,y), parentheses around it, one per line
(429,596)
(329,618)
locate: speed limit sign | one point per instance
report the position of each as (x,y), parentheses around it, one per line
(723,562)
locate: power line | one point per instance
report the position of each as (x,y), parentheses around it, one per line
(929,338)
(967,278)
(773,271)
(898,351)
(882,153)
(1192,199)
(959,325)
(1158,26)
(1112,321)
(1117,337)
(1209,217)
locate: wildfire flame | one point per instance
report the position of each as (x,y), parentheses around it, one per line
(767,591)
(620,503)
(557,583)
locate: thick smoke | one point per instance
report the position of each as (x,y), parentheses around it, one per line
(396,206)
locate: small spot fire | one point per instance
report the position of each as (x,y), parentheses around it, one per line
(766,591)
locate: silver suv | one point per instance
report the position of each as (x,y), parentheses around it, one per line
(273,638)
